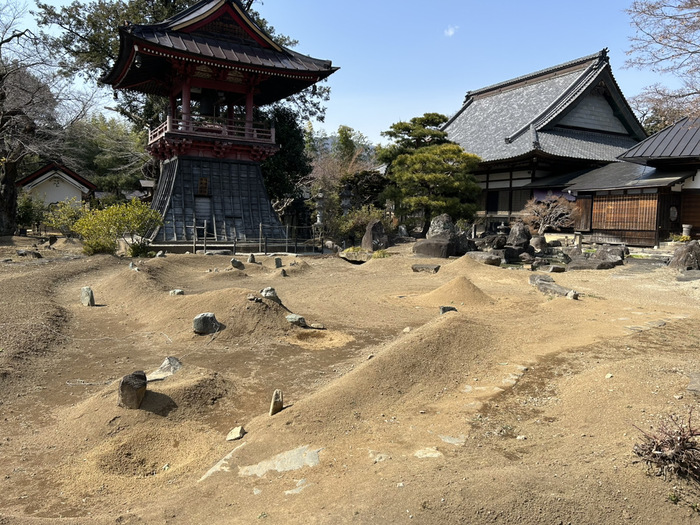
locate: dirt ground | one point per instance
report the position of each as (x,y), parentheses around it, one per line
(517,408)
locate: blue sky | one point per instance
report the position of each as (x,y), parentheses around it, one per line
(402,58)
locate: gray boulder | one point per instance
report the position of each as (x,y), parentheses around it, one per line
(613,254)
(686,257)
(205,323)
(251,258)
(428,268)
(441,227)
(551,288)
(519,235)
(270,293)
(132,390)
(87,298)
(375,238)
(433,248)
(296,320)
(583,263)
(177,291)
(237,264)
(485,258)
(539,243)
(538,278)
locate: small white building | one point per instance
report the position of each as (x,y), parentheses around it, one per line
(54,183)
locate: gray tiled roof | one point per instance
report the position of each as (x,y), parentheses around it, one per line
(625,175)
(517,118)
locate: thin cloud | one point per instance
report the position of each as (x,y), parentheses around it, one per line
(450,31)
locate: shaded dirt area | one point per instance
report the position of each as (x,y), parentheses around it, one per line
(517,408)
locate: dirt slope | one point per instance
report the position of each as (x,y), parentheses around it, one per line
(517,408)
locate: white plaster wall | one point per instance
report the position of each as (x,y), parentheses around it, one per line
(692,183)
(51,193)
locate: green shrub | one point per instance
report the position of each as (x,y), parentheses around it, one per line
(30,211)
(380,254)
(680,238)
(353,225)
(130,221)
(63,216)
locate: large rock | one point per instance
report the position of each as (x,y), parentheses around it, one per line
(428,268)
(375,237)
(613,254)
(270,293)
(492,242)
(686,257)
(583,263)
(441,227)
(296,320)
(539,243)
(511,254)
(519,235)
(205,323)
(433,248)
(485,258)
(237,264)
(132,389)
(551,288)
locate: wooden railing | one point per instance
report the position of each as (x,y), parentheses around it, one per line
(210,127)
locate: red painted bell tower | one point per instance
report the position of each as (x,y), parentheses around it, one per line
(215,65)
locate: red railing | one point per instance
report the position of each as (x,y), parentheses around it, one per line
(208,127)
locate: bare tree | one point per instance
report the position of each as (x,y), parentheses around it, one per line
(35,105)
(553,213)
(667,40)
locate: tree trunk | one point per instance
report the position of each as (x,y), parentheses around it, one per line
(8,198)
(426,223)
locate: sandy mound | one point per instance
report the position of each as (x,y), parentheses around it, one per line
(458,292)
(412,370)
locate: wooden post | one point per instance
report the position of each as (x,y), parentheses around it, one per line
(260,238)
(205,237)
(194,235)
(286,240)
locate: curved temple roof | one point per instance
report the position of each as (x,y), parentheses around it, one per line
(216,41)
(528,115)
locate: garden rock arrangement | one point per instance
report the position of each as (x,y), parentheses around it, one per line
(686,257)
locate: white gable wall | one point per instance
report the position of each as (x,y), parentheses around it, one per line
(54,187)
(594,113)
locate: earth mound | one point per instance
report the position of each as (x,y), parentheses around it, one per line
(460,291)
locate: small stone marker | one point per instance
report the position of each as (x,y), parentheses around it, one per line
(283,273)
(86,296)
(238,265)
(277,403)
(296,320)
(236,433)
(278,262)
(251,259)
(177,291)
(161,253)
(445,309)
(428,268)
(270,293)
(205,323)
(132,389)
(317,326)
